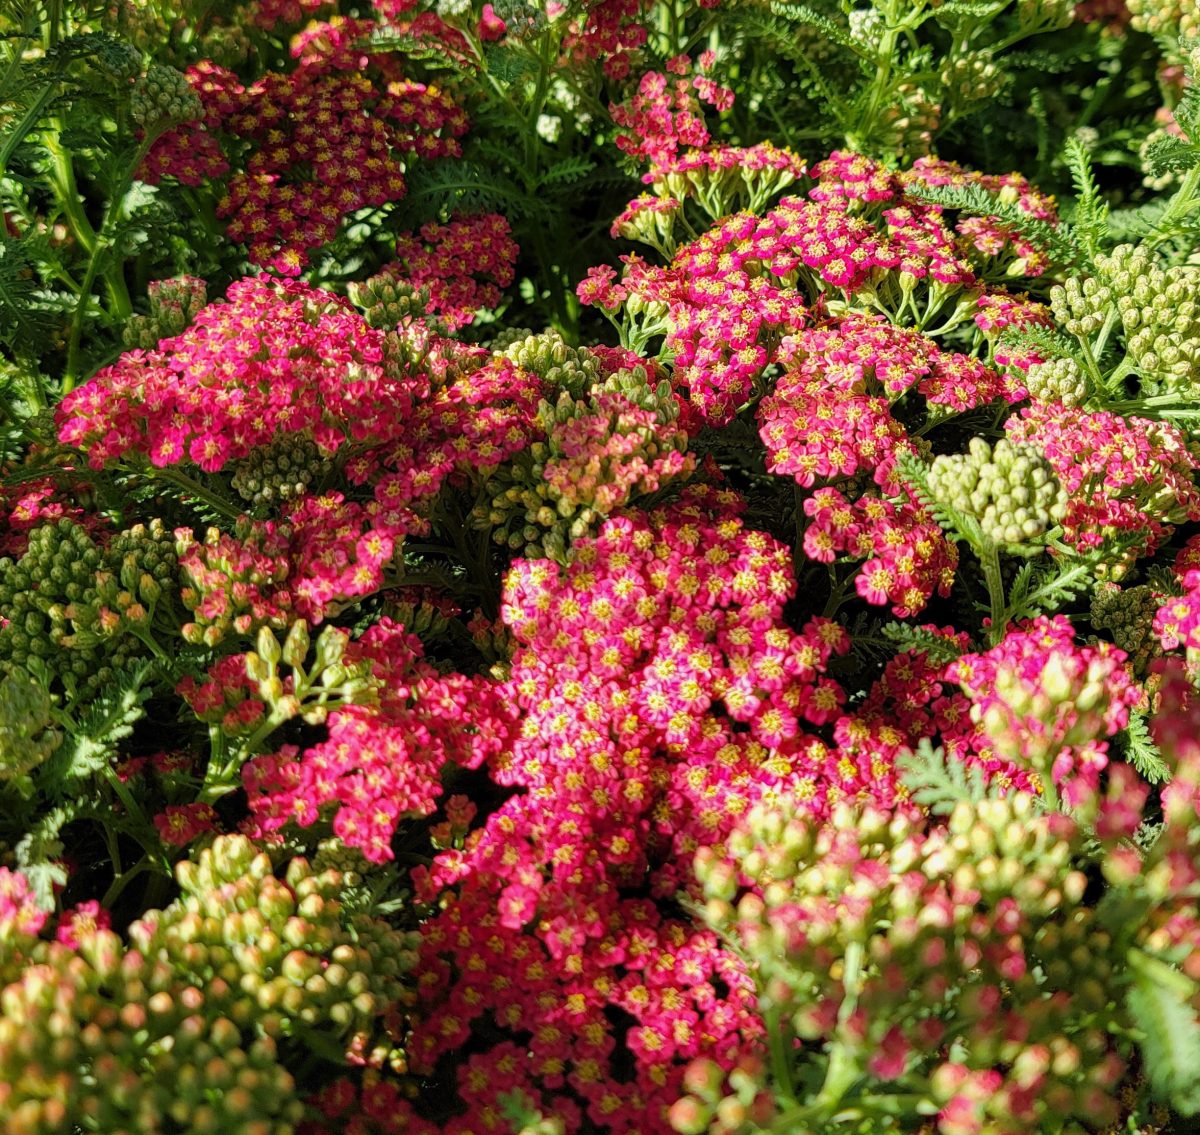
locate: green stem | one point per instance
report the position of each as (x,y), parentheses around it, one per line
(989,557)
(121,880)
(840,1076)
(195,489)
(158,652)
(533,140)
(52,31)
(66,190)
(27,123)
(125,796)
(120,305)
(778,1048)
(1182,202)
(114,850)
(837,595)
(879,88)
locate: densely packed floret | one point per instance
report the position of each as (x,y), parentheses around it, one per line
(185,1025)
(564,575)
(77,613)
(1010,489)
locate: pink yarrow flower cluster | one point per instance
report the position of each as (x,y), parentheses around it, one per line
(380,763)
(464,264)
(20,915)
(665,116)
(732,296)
(1050,705)
(275,357)
(867,355)
(661,695)
(1129,478)
(324,553)
(311,147)
(907,556)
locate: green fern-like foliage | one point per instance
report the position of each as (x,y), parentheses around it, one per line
(24,321)
(1090,217)
(1159,1001)
(935,647)
(1138,748)
(93,737)
(1059,242)
(465,186)
(1045,591)
(938,783)
(39,853)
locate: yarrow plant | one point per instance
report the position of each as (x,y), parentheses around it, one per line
(601,567)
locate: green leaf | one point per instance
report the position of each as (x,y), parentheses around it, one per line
(1046,341)
(1055,590)
(509,65)
(1133,224)
(1187,111)
(93,737)
(975,9)
(443,187)
(1139,749)
(940,784)
(1022,584)
(1058,242)
(1170,155)
(415,50)
(567,171)
(1158,1001)
(808,17)
(1090,220)
(934,646)
(39,854)
(22,323)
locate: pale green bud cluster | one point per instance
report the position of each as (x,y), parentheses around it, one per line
(1058,380)
(941,939)
(508,337)
(1081,305)
(310,690)
(602,448)
(1158,309)
(229,43)
(420,614)
(972,77)
(656,226)
(163,98)
(909,123)
(387,300)
(1171,19)
(139,580)
(549,356)
(173,307)
(279,472)
(334,855)
(118,61)
(71,606)
(1161,315)
(192,1025)
(1127,613)
(27,733)
(1011,490)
